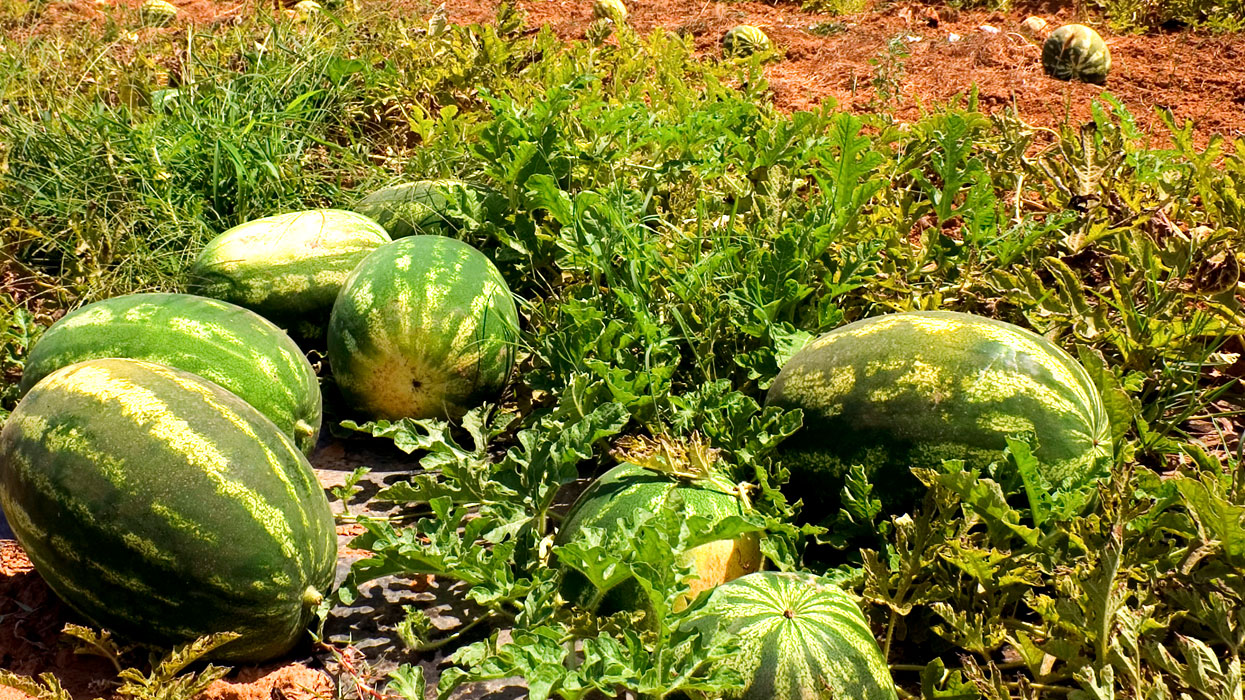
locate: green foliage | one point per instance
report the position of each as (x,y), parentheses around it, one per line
(165,680)
(675,240)
(1146,15)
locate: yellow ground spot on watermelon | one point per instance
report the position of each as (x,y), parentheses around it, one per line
(88,317)
(1005,423)
(872,367)
(402,387)
(145,409)
(717,562)
(993,385)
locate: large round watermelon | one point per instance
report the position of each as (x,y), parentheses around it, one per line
(165,508)
(227,344)
(438,207)
(627,488)
(800,638)
(1076,52)
(424,327)
(288,268)
(913,389)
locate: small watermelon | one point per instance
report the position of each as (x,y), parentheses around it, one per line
(438,207)
(233,347)
(745,40)
(165,508)
(157,13)
(800,638)
(287,268)
(629,487)
(424,327)
(613,10)
(1076,52)
(913,389)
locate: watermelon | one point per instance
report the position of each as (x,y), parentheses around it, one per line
(800,638)
(226,344)
(1076,52)
(744,40)
(629,487)
(287,268)
(165,508)
(438,207)
(425,327)
(613,10)
(157,13)
(913,389)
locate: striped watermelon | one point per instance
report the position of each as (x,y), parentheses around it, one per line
(227,344)
(745,40)
(800,638)
(289,267)
(613,10)
(1076,52)
(157,13)
(439,207)
(913,389)
(164,508)
(627,488)
(424,327)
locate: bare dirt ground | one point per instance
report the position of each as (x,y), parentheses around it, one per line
(1198,78)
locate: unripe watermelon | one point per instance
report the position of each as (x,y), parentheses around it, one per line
(437,207)
(287,268)
(628,487)
(1076,52)
(744,40)
(424,327)
(165,508)
(233,347)
(800,638)
(913,389)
